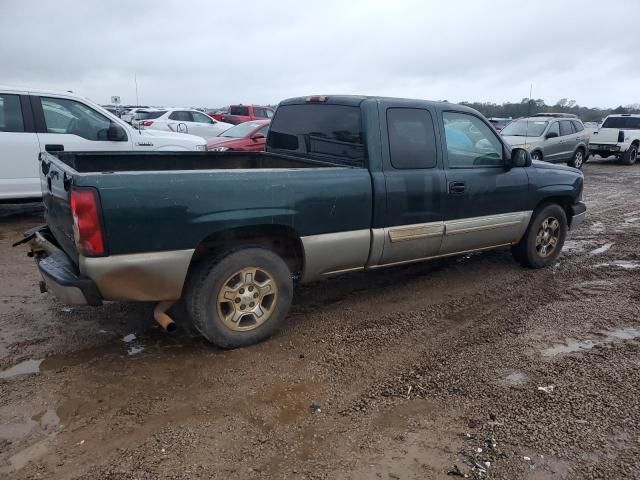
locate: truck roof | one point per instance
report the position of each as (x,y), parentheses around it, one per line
(356,100)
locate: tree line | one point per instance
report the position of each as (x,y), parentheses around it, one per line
(530,106)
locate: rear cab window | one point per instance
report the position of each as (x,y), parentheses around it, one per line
(239,110)
(11,119)
(326,132)
(412,139)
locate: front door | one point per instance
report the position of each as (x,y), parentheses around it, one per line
(414,181)
(204,126)
(69,125)
(485,203)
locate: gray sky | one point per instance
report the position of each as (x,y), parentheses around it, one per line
(212,53)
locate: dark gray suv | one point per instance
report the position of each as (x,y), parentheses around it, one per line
(552,139)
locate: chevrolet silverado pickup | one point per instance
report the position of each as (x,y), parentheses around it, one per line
(619,136)
(348,183)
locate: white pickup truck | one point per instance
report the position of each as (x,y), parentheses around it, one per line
(32,121)
(619,135)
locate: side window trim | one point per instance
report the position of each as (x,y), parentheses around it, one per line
(27,114)
(38,114)
(443,141)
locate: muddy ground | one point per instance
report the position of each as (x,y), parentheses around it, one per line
(471,365)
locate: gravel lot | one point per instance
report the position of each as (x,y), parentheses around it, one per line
(471,365)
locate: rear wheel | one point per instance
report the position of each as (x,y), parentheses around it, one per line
(631,155)
(536,155)
(578,159)
(543,241)
(240,299)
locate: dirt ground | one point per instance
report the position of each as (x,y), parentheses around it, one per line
(471,366)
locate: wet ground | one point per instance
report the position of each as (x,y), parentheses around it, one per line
(471,366)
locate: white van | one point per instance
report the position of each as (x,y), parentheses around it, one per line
(37,120)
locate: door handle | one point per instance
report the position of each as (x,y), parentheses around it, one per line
(54,148)
(456,188)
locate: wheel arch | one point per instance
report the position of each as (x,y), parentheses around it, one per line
(565,201)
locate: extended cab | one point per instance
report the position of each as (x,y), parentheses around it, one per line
(236,114)
(34,120)
(619,135)
(348,183)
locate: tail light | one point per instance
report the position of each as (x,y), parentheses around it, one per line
(147,123)
(87,229)
(621,136)
(317,98)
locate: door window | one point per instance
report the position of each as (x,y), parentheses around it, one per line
(259,112)
(412,138)
(11,114)
(470,142)
(566,128)
(201,118)
(269,113)
(74,118)
(181,116)
(554,128)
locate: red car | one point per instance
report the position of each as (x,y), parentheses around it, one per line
(246,137)
(236,114)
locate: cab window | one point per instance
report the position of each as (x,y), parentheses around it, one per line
(201,117)
(470,142)
(566,128)
(554,128)
(11,114)
(412,142)
(74,118)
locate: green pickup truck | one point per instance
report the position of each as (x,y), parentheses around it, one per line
(347,183)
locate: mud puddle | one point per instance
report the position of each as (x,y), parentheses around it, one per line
(23,368)
(607,337)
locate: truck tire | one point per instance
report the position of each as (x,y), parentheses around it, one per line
(577,160)
(630,156)
(544,238)
(241,298)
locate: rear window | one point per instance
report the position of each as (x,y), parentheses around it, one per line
(577,125)
(149,115)
(630,123)
(239,110)
(10,114)
(331,132)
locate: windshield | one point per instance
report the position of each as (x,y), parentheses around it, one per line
(241,130)
(319,130)
(524,128)
(149,115)
(629,123)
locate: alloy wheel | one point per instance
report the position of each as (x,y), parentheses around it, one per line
(548,236)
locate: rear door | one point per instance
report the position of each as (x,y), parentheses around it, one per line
(485,203)
(568,139)
(69,125)
(553,146)
(19,149)
(415,185)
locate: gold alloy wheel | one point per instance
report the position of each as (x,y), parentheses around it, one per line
(548,236)
(247,299)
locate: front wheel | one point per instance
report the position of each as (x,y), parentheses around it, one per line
(543,241)
(536,155)
(578,159)
(240,299)
(630,156)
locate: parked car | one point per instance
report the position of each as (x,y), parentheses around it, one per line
(245,137)
(129,114)
(499,123)
(243,113)
(555,115)
(187,120)
(142,118)
(37,120)
(552,139)
(619,136)
(230,232)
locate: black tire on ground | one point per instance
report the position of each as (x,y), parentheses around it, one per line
(578,159)
(630,156)
(242,275)
(530,251)
(536,155)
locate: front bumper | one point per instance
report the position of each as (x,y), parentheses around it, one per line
(60,275)
(579,215)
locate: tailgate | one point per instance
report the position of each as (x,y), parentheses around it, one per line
(605,135)
(56,179)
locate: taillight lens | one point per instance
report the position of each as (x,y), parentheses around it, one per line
(147,123)
(87,230)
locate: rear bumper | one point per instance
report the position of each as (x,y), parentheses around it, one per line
(579,214)
(61,276)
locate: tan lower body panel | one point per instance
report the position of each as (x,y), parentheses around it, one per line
(139,276)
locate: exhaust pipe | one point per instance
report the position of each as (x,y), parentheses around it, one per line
(164,320)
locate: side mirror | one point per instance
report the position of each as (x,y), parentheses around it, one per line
(116,133)
(257,136)
(519,158)
(551,135)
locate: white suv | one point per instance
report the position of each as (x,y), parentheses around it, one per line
(185,120)
(36,120)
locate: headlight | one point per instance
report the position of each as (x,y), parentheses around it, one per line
(219,149)
(201,148)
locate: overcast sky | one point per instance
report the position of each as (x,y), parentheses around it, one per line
(212,53)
